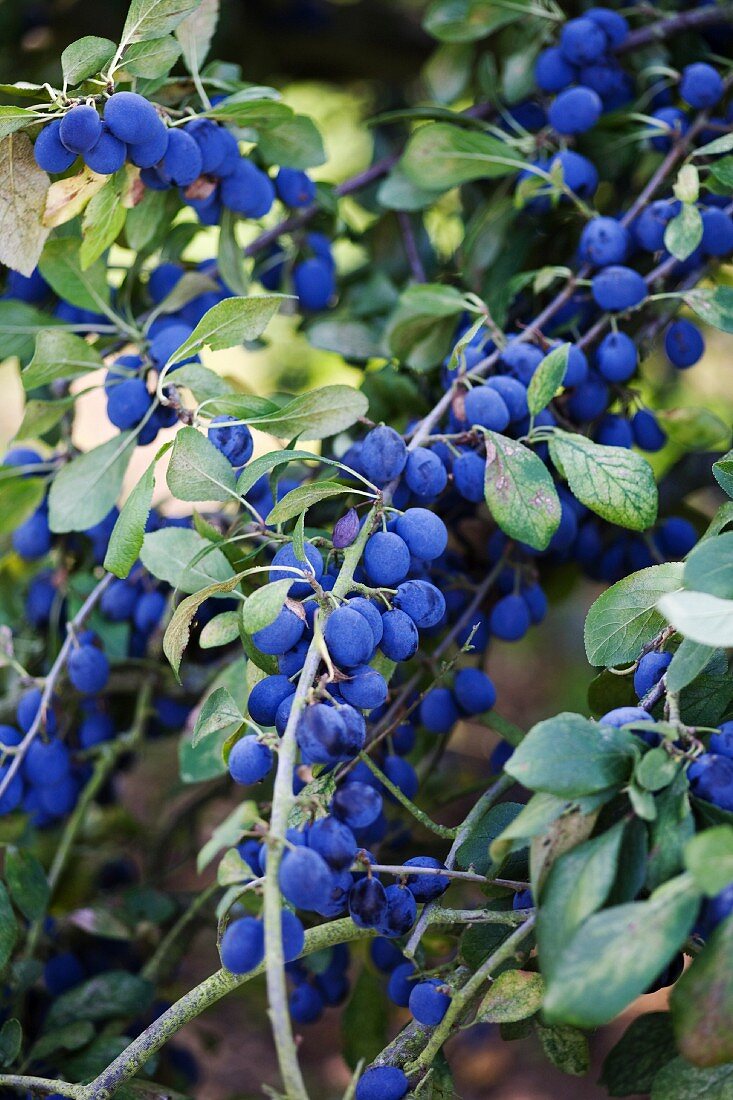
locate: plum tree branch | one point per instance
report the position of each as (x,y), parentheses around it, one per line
(54,674)
(698,19)
(191,1005)
(282,802)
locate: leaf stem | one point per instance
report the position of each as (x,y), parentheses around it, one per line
(417,813)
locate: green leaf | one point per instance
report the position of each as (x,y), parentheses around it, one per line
(520,492)
(625,617)
(218,712)
(230,255)
(85,490)
(602,757)
(85,1065)
(11,1040)
(722,171)
(364,1021)
(60,266)
(189,287)
(228,833)
(23,190)
(420,331)
(153,58)
(547,379)
(259,467)
(299,500)
(40,416)
(699,616)
(537,817)
(723,518)
(702,1000)
(27,882)
(656,770)
(196,32)
(13,119)
(113,993)
(615,483)
(709,859)
(19,325)
(69,1037)
(709,567)
(577,885)
(617,953)
(447,71)
(687,663)
(712,305)
(198,470)
(723,473)
(85,57)
(397,192)
(19,498)
(8,928)
(474,850)
(148,220)
(316,415)
(295,141)
(59,354)
(643,1049)
(440,156)
(264,605)
(514,995)
(354,340)
(246,108)
(566,1048)
(683,233)
(220,631)
(103,220)
(467,20)
(178,630)
(229,323)
(481,940)
(148,19)
(184,559)
(313,802)
(128,532)
(203,383)
(678,1080)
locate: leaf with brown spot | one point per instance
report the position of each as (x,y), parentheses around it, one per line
(702,1002)
(23,190)
(67,198)
(520,492)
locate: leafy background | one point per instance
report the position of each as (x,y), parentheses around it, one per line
(340,63)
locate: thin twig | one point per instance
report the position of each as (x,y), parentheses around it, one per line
(477,811)
(411,249)
(462,998)
(55,672)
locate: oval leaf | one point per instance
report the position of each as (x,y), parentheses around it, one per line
(520,492)
(615,483)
